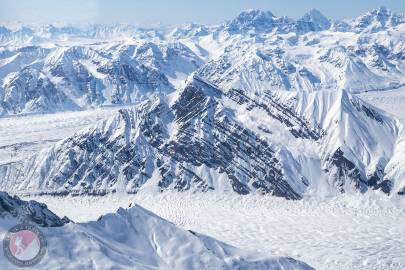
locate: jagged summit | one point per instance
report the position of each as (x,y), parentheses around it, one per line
(378,19)
(313,21)
(30,90)
(253,19)
(37,79)
(253,81)
(265,21)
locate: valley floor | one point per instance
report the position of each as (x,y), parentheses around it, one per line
(348,232)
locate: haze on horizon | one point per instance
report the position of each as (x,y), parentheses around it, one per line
(152,12)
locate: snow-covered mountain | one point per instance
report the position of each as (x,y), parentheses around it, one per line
(37,79)
(377,20)
(266,22)
(29,90)
(281,118)
(260,105)
(202,138)
(132,238)
(326,60)
(257,51)
(253,20)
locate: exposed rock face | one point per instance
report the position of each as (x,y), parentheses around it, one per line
(225,145)
(344,171)
(209,139)
(28,211)
(368,65)
(137,145)
(298,127)
(31,91)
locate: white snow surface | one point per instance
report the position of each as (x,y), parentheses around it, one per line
(391,101)
(137,239)
(339,233)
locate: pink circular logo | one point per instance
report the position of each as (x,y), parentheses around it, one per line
(24,245)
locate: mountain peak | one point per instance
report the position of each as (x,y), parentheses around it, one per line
(194,80)
(265,21)
(251,14)
(378,19)
(382,14)
(314,12)
(252,19)
(382,10)
(313,20)
(4,30)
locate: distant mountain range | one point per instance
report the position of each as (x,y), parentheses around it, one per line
(102,65)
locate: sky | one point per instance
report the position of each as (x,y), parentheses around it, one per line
(166,12)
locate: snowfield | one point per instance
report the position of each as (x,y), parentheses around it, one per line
(133,239)
(346,232)
(391,101)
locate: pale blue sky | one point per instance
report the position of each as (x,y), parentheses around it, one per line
(147,12)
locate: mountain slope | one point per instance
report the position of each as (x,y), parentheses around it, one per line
(377,19)
(82,76)
(288,144)
(281,120)
(151,144)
